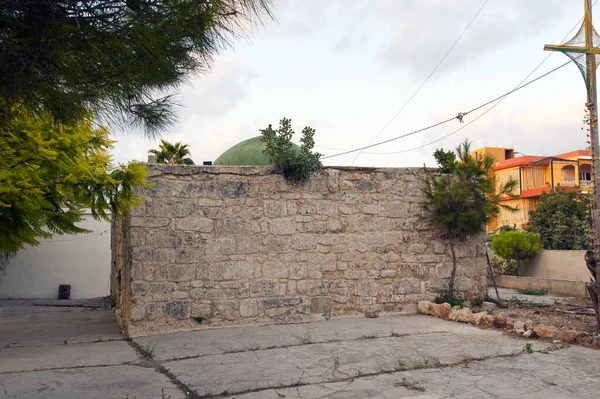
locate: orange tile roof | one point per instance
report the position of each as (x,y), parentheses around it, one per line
(518,161)
(576,153)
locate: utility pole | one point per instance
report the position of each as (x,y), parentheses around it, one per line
(587,42)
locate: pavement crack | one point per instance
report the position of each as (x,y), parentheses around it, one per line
(160,368)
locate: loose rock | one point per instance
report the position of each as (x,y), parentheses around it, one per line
(544,331)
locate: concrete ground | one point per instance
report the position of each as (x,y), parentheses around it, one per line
(61,352)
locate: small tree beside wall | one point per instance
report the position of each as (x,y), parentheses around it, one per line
(462,199)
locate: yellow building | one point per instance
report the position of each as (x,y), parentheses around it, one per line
(536,175)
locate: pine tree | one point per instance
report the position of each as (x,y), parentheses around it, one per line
(462,200)
(121,59)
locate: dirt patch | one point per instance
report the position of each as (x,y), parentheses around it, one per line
(564,314)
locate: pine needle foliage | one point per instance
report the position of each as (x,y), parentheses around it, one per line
(50,174)
(464,198)
(172,153)
(122,59)
(296,166)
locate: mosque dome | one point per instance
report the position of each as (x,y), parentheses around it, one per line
(246,153)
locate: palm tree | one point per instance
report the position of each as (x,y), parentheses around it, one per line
(174,154)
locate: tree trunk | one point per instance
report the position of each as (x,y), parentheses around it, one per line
(452,273)
(487,256)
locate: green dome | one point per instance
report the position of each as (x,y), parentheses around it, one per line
(246,153)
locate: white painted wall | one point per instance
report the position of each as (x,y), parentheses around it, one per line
(81,260)
(558,265)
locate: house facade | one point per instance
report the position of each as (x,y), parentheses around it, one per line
(536,175)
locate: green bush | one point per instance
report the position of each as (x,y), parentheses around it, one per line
(516,245)
(296,166)
(445,297)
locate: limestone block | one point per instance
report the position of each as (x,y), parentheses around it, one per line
(275,269)
(201,224)
(298,271)
(544,331)
(264,288)
(227,310)
(327,208)
(138,311)
(303,242)
(239,227)
(441,310)
(423,307)
(283,226)
(277,312)
(173,208)
(407,286)
(249,308)
(178,309)
(152,288)
(202,310)
(519,327)
(173,272)
(367,288)
(320,305)
(274,209)
(567,336)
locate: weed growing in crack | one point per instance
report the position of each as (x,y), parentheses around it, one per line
(146,351)
(305,338)
(336,363)
(400,365)
(528,348)
(410,384)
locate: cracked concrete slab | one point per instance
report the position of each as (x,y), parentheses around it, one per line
(60,356)
(340,359)
(234,339)
(333,361)
(42,325)
(116,382)
(556,374)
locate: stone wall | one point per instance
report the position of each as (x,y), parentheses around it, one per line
(214,246)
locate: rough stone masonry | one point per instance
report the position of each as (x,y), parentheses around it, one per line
(217,246)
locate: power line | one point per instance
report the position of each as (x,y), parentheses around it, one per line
(428,77)
(76,238)
(460,115)
(489,109)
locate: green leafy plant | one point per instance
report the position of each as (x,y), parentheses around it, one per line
(477,302)
(516,245)
(443,297)
(463,199)
(562,219)
(540,292)
(296,165)
(50,175)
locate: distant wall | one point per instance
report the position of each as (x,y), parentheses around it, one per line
(82,260)
(214,246)
(558,265)
(556,287)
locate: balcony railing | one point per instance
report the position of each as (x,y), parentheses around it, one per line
(573,183)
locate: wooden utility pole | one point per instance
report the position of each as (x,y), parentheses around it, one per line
(587,42)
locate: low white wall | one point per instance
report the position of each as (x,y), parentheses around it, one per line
(558,265)
(82,260)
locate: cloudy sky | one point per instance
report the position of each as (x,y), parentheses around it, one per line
(346,67)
